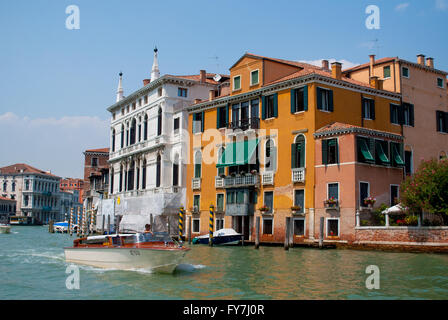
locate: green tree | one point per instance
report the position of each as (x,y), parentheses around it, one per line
(427,189)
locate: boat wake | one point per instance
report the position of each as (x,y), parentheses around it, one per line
(186,267)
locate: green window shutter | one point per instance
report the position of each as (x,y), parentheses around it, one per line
(202,122)
(218,117)
(227,113)
(337,151)
(364,149)
(301,151)
(275,105)
(330,101)
(319,98)
(293,100)
(305,98)
(411,115)
(263,107)
(363,113)
(400,114)
(324,151)
(293,155)
(372,147)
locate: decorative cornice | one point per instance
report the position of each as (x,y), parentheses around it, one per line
(341,131)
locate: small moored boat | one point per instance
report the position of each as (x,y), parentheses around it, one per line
(5,228)
(61,227)
(156,251)
(220,237)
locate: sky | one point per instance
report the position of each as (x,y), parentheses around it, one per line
(56,83)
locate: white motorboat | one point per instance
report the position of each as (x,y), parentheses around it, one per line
(5,228)
(157,252)
(220,237)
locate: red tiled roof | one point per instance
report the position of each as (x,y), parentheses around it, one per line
(7,199)
(22,167)
(197,77)
(105,150)
(341,126)
(366,65)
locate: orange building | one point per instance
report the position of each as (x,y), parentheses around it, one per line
(253,151)
(72,184)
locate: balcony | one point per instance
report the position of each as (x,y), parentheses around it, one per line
(267,178)
(219,182)
(46,208)
(239,209)
(298,175)
(241,181)
(244,124)
(196,183)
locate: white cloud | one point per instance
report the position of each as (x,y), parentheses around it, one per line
(50,143)
(441,4)
(345,63)
(402,6)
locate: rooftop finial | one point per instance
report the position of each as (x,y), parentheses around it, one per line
(155,74)
(120,88)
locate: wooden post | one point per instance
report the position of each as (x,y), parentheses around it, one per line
(291,232)
(286,245)
(168,224)
(108,224)
(102,224)
(210,225)
(51,226)
(321,232)
(242,230)
(189,228)
(257,233)
(151,221)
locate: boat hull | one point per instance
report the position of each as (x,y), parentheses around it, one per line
(5,229)
(158,260)
(220,240)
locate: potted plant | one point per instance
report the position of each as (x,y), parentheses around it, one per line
(331,202)
(264,209)
(296,209)
(369,201)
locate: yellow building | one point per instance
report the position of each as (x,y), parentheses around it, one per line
(252,152)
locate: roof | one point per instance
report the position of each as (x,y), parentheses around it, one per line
(7,199)
(256,56)
(337,128)
(23,168)
(367,65)
(104,150)
(197,77)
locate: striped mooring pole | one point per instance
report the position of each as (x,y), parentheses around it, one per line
(78,216)
(181,222)
(212,213)
(70,227)
(92,220)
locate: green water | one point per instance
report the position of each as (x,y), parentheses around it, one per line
(32,266)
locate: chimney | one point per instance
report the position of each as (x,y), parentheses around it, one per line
(376,83)
(211,95)
(372,62)
(430,62)
(197,101)
(336,70)
(325,65)
(421,59)
(203,76)
(146,81)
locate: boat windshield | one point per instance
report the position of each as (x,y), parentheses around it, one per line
(156,236)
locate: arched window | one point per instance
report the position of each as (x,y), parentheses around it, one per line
(197,164)
(158,170)
(122,137)
(145,128)
(298,152)
(127,134)
(131,177)
(120,183)
(176,170)
(13,186)
(139,129)
(221,170)
(113,140)
(270,156)
(132,132)
(159,122)
(112,180)
(5,184)
(144,175)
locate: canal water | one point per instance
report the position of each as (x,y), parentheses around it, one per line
(32,266)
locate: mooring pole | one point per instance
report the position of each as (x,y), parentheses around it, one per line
(321,233)
(102,224)
(257,233)
(286,245)
(78,222)
(181,223)
(210,225)
(108,224)
(189,228)
(70,225)
(291,232)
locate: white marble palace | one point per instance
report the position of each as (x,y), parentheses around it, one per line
(148,139)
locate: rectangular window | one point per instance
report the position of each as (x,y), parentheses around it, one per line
(94,162)
(408,162)
(333,190)
(254,78)
(364,150)
(195,225)
(394,195)
(146,99)
(364,192)
(198,122)
(408,114)
(219,224)
(221,121)
(330,151)
(230,197)
(236,83)
(268,226)
(405,72)
(382,156)
(386,72)
(325,99)
(440,83)
(269,107)
(394,108)
(196,202)
(299,226)
(299,99)
(333,227)
(159,92)
(182,92)
(396,154)
(269,200)
(299,199)
(176,124)
(442,121)
(220,202)
(368,109)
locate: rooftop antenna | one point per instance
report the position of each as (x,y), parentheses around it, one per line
(217,62)
(376,46)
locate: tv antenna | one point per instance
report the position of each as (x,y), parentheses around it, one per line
(217,62)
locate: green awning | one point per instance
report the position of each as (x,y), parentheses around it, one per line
(398,160)
(381,153)
(365,150)
(238,153)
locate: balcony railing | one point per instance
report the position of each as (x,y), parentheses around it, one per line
(196,183)
(267,178)
(219,182)
(298,175)
(244,124)
(243,180)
